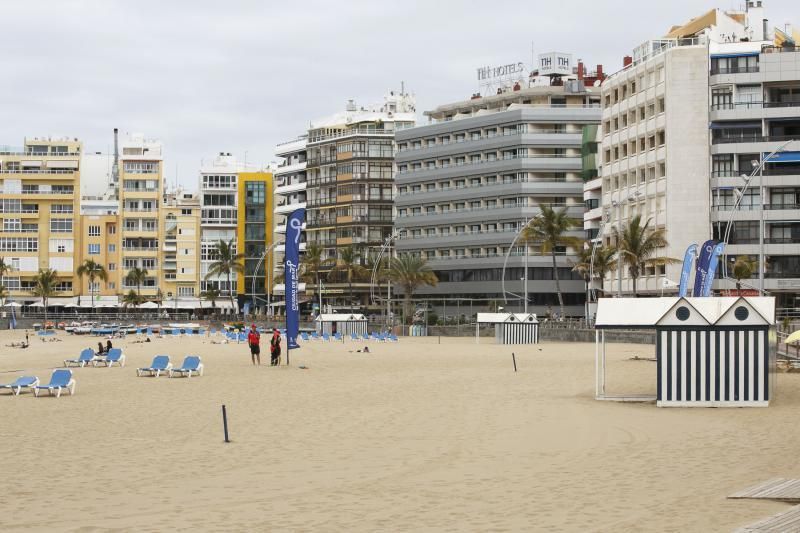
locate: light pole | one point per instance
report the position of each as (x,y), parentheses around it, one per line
(628,197)
(505,263)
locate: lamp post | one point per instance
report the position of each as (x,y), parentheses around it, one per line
(505,263)
(255,276)
(628,197)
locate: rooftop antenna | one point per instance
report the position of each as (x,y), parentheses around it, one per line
(115,167)
(402,88)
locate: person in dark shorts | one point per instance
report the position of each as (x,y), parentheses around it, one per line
(275,347)
(254,341)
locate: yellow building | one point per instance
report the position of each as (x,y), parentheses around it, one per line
(40,204)
(180,264)
(254,236)
(99,229)
(140,188)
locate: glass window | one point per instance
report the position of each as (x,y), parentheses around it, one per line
(94,249)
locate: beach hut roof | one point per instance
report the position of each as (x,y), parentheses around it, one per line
(496,318)
(651,312)
(341,317)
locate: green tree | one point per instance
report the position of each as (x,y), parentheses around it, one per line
(159,299)
(226,263)
(743,268)
(3,295)
(603,263)
(312,263)
(348,265)
(45,285)
(410,272)
(638,246)
(92,271)
(549,231)
(131,299)
(137,276)
(5,268)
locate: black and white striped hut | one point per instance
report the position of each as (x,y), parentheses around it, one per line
(717,352)
(344,323)
(511,328)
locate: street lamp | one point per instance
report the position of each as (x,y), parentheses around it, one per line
(505,263)
(255,276)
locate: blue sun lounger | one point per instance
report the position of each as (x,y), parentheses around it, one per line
(354,336)
(304,336)
(115,355)
(86,357)
(191,364)
(326,337)
(160,364)
(60,380)
(24,382)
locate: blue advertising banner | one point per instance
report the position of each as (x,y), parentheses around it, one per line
(291,268)
(712,268)
(701,267)
(688,259)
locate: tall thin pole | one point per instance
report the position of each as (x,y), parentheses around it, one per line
(389,321)
(619,254)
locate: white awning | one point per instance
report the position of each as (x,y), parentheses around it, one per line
(63,164)
(30,163)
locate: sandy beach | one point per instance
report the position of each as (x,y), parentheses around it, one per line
(413,436)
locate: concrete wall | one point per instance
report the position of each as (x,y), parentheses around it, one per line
(588,335)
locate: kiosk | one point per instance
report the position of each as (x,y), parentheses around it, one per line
(343,323)
(511,328)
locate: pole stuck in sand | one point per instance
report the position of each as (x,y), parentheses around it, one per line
(514,358)
(225,422)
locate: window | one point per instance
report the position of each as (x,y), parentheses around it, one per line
(112,248)
(94,249)
(60,225)
(112,229)
(61,209)
(186,212)
(185,291)
(94,231)
(111,285)
(112,267)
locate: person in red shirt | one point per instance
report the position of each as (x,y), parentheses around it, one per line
(275,347)
(253,340)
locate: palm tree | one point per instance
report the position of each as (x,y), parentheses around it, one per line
(350,266)
(3,295)
(226,263)
(603,262)
(548,229)
(92,271)
(131,299)
(743,268)
(637,248)
(44,286)
(211,295)
(159,299)
(4,269)
(137,276)
(312,262)
(410,272)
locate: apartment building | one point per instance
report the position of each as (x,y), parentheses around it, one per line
(180,251)
(99,229)
(350,175)
(40,204)
(755,111)
(219,200)
(140,190)
(471,178)
(682,121)
(289,194)
(255,231)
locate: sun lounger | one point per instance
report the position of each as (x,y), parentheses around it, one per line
(365,337)
(315,336)
(392,337)
(160,364)
(191,364)
(24,382)
(60,380)
(149,332)
(86,357)
(114,355)
(304,336)
(176,332)
(354,336)
(326,337)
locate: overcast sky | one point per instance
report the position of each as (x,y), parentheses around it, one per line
(241,76)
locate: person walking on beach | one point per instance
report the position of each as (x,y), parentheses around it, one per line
(275,347)
(253,340)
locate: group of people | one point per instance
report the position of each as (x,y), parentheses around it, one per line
(101,350)
(254,342)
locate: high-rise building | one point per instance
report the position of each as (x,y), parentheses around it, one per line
(468,181)
(140,189)
(290,194)
(350,174)
(180,255)
(40,205)
(255,235)
(711,97)
(219,201)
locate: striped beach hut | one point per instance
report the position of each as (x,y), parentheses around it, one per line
(344,323)
(717,352)
(510,328)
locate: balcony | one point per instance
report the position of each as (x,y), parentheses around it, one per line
(289,169)
(735,70)
(288,208)
(292,187)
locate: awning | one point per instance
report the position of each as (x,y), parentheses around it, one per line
(30,163)
(736,124)
(784,157)
(740,54)
(62,164)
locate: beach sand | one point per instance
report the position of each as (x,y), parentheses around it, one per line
(415,436)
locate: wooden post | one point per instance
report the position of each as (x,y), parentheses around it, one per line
(225,422)
(514,358)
